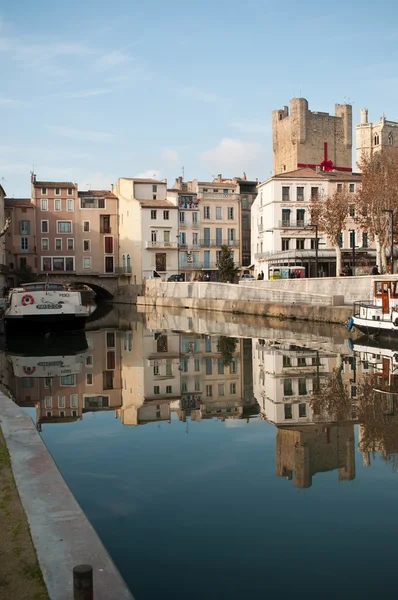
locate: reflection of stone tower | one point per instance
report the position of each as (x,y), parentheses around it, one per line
(373,137)
(313,139)
(319,448)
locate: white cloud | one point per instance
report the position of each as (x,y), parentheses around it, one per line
(81,135)
(149,174)
(251,125)
(232,154)
(171,156)
(87,93)
(113,59)
(202,95)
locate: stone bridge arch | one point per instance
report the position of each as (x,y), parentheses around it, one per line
(105,288)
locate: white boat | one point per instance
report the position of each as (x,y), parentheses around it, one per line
(380,316)
(44,306)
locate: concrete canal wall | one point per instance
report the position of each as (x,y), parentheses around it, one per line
(245,299)
(326,299)
(61,533)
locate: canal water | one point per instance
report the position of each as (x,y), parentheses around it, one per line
(223,457)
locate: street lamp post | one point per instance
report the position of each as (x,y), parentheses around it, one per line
(316,251)
(352,231)
(391,213)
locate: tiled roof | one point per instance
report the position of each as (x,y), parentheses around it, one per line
(308,173)
(15,202)
(156,204)
(97,194)
(54,184)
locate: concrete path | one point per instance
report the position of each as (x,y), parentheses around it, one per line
(61,533)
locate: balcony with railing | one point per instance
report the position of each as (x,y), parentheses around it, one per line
(294,223)
(161,244)
(191,224)
(217,242)
(217,196)
(123,270)
(201,265)
(188,202)
(184,246)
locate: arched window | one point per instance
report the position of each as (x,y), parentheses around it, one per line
(390,139)
(124,261)
(376,139)
(128,261)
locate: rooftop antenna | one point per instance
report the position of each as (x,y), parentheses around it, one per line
(183,173)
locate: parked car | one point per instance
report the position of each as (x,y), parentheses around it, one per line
(176,277)
(245,278)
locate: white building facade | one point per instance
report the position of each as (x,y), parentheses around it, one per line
(282,232)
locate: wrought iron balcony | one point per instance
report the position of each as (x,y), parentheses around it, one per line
(160,244)
(209,243)
(123,270)
(201,265)
(294,223)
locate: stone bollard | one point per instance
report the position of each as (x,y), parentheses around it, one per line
(83,585)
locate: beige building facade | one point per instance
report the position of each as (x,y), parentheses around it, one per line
(303,138)
(21,238)
(372,137)
(148,229)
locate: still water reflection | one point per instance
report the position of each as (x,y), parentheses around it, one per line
(251,474)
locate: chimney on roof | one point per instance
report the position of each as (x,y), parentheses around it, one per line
(32,177)
(256,179)
(219,177)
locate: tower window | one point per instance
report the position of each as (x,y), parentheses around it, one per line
(390,139)
(376,139)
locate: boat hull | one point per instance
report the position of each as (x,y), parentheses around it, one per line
(36,324)
(379,329)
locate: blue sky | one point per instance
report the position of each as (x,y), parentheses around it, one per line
(92,90)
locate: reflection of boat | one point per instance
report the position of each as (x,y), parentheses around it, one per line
(55,355)
(379,317)
(44,307)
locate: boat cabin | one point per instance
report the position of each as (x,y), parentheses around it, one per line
(386,295)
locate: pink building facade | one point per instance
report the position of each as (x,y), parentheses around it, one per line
(76,232)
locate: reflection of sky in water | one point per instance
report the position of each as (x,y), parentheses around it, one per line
(199,512)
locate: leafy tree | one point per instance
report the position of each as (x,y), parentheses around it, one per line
(331,215)
(25,275)
(226,346)
(226,267)
(378,193)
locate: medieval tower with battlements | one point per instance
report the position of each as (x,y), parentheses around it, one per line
(302,138)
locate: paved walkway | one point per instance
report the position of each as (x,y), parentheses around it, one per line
(61,533)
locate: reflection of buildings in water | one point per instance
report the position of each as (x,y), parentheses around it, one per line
(378,432)
(63,390)
(285,379)
(304,451)
(150,375)
(216,377)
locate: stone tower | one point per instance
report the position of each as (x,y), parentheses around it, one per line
(312,139)
(373,137)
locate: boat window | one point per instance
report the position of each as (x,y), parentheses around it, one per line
(378,288)
(386,287)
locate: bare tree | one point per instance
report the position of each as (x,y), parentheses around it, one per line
(331,214)
(378,193)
